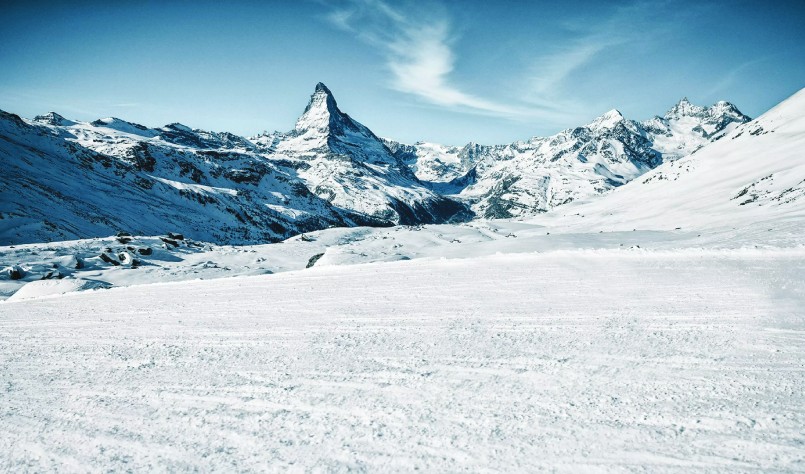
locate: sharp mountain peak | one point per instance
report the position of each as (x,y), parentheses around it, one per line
(322,111)
(607,120)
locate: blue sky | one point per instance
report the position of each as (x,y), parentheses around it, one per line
(442,71)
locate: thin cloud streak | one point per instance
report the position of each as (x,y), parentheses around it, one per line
(418,47)
(551,72)
(732,75)
(418,53)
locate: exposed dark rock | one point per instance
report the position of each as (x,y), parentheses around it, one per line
(106,258)
(169,241)
(16,272)
(145,160)
(312,261)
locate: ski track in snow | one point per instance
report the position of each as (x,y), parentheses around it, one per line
(567,362)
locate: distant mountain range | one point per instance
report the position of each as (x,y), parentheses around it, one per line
(536,175)
(750,184)
(64,179)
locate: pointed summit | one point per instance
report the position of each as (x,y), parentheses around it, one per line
(322,111)
(684,108)
(320,87)
(323,128)
(607,120)
(52,118)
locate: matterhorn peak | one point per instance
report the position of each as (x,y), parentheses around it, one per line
(320,87)
(321,112)
(323,130)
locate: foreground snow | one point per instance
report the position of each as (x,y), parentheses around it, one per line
(50,268)
(571,360)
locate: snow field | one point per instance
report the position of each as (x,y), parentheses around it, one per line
(567,361)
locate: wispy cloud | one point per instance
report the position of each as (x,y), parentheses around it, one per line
(551,71)
(549,78)
(731,76)
(418,50)
(418,44)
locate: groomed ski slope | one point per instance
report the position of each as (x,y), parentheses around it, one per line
(568,361)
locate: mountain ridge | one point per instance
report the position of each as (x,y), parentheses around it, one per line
(538,174)
(329,170)
(762,184)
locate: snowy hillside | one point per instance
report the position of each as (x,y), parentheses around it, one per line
(743,191)
(64,179)
(570,361)
(754,175)
(534,176)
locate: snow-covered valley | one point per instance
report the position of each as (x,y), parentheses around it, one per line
(394,236)
(746,190)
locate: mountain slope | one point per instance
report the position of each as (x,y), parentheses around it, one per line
(86,180)
(755,174)
(743,192)
(347,164)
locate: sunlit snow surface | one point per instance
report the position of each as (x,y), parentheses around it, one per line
(570,361)
(658,329)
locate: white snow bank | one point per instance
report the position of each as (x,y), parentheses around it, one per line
(41,288)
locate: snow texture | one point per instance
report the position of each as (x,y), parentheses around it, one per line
(570,361)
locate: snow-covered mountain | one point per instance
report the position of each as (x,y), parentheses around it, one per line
(657,326)
(64,179)
(745,191)
(539,174)
(350,167)
(752,180)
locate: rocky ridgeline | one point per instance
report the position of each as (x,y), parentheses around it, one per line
(534,176)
